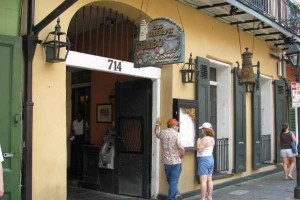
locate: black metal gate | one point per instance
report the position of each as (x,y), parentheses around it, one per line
(133,146)
(101,31)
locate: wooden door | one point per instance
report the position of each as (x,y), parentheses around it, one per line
(10,115)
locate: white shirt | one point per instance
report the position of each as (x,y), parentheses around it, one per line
(78,127)
(207,151)
(1,156)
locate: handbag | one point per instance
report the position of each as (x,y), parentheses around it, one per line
(293,144)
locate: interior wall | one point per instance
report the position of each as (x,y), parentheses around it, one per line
(102,85)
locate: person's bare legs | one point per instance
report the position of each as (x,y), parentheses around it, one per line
(285,166)
(203,179)
(210,187)
(292,167)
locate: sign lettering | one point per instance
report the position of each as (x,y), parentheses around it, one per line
(164,44)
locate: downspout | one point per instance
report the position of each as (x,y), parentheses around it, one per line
(29,45)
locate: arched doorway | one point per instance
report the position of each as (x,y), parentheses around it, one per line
(100,33)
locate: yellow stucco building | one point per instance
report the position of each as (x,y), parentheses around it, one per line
(121,102)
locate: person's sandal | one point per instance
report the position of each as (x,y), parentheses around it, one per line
(178,197)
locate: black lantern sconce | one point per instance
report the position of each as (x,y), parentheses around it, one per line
(56,50)
(293,54)
(188,75)
(246,74)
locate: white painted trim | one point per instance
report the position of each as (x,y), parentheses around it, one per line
(214,83)
(98,63)
(155,142)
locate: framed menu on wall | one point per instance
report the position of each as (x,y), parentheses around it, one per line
(185,112)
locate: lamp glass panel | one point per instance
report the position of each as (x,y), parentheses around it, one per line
(183,76)
(50,52)
(293,59)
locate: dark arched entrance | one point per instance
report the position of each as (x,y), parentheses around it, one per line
(102,31)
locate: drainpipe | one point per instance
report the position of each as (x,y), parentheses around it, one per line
(29,45)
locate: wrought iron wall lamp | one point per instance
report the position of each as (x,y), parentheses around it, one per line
(188,74)
(293,54)
(56,49)
(246,74)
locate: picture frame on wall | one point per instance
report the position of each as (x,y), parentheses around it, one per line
(104,113)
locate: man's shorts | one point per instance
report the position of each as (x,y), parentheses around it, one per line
(205,165)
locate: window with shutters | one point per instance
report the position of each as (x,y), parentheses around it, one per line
(214,98)
(267,125)
(219,102)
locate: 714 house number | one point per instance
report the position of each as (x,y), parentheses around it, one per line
(114,65)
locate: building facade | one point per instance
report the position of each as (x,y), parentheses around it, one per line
(121,103)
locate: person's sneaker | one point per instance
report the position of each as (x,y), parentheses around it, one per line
(178,197)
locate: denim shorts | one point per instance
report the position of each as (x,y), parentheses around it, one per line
(287,153)
(205,165)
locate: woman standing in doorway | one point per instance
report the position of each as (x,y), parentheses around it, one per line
(284,142)
(205,160)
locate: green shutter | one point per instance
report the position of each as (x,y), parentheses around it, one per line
(239,126)
(256,128)
(280,112)
(203,93)
(292,114)
(202,89)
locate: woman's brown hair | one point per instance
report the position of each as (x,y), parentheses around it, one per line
(285,126)
(209,132)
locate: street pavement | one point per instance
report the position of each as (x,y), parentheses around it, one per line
(271,187)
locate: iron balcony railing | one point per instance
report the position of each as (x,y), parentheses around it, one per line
(266,148)
(284,12)
(221,155)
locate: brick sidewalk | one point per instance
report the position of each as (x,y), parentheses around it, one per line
(266,188)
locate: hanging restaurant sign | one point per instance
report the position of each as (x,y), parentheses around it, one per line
(163,44)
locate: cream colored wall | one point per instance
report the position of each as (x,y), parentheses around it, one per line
(204,35)
(210,38)
(49,112)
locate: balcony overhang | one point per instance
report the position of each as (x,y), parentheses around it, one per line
(249,19)
(263,18)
